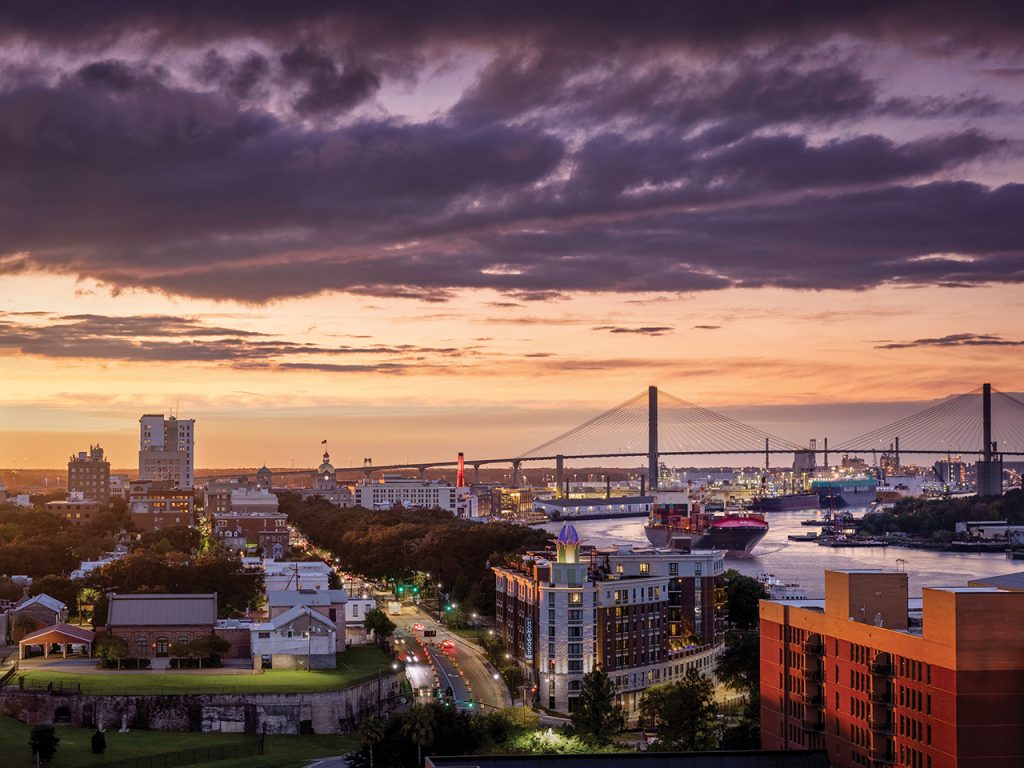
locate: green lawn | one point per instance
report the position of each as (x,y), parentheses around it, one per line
(75,746)
(354,665)
(470,633)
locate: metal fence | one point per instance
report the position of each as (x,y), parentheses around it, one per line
(191,756)
(56,688)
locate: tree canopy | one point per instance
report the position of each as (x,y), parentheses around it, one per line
(683,714)
(597,717)
(146,571)
(926,517)
(739,664)
(378,622)
(400,542)
(743,595)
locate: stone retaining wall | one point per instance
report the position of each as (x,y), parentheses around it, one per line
(250,713)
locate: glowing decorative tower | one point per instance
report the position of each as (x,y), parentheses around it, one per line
(568,545)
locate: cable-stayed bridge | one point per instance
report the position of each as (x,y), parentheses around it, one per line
(653,425)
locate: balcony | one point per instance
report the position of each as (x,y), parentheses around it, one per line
(882,751)
(884,757)
(813,648)
(883,727)
(813,724)
(883,697)
(814,674)
(814,700)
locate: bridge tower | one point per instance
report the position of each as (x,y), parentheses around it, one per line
(652,438)
(559,476)
(990,468)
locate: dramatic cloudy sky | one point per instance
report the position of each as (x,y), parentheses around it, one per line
(412,228)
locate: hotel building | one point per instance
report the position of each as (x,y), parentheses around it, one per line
(167,450)
(878,679)
(643,615)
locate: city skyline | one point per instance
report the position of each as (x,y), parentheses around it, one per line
(413,234)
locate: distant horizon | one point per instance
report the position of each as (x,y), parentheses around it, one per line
(248,440)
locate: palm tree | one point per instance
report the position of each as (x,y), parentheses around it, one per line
(372,731)
(418,725)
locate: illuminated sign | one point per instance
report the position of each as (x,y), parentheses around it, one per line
(528,642)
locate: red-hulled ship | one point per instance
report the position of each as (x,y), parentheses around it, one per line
(675,514)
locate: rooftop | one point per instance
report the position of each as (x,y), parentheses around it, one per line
(162,610)
(291,615)
(751,759)
(280,598)
(1011,581)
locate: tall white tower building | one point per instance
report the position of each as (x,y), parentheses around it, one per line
(167,449)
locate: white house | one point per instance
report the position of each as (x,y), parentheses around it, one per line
(299,638)
(329,603)
(282,574)
(355,616)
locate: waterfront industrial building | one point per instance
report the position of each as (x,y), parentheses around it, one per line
(879,679)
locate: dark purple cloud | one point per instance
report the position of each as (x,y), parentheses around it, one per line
(165,338)
(244,151)
(956,340)
(641,330)
(693,22)
(327,89)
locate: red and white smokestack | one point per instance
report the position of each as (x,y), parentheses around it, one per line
(460,480)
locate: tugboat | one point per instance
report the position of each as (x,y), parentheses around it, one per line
(675,514)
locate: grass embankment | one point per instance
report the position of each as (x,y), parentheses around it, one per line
(355,665)
(75,747)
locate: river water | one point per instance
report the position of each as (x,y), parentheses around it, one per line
(805,562)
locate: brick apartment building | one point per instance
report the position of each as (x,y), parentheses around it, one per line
(157,504)
(89,474)
(268,530)
(75,509)
(642,615)
(151,623)
(878,679)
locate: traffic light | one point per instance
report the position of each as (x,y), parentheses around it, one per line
(447,609)
(415,590)
(400,588)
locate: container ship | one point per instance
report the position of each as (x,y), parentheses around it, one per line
(845,492)
(785,503)
(675,514)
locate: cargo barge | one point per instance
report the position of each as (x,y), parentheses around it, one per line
(675,514)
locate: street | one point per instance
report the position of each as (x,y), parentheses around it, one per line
(467,672)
